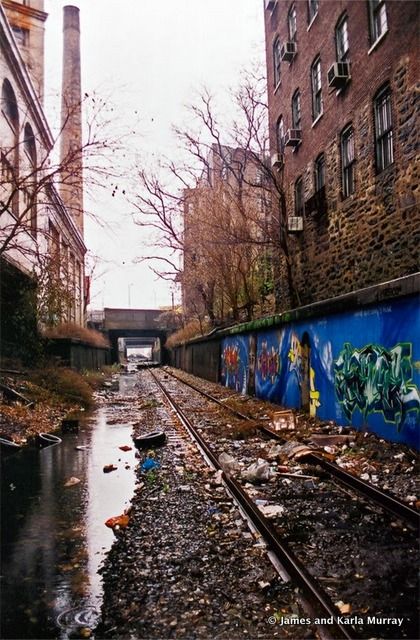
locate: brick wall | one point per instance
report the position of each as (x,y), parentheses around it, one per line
(373,235)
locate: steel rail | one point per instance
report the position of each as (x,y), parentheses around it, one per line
(295,569)
(381,498)
(378,496)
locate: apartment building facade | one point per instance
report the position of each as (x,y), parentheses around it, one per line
(344,132)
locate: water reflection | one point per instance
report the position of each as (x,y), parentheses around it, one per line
(53,537)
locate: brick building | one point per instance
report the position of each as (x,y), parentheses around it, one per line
(224,255)
(344,125)
(38,223)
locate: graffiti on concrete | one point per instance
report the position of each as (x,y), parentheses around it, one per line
(268,362)
(295,357)
(376,379)
(314,395)
(235,356)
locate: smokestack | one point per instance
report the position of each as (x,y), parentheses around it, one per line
(71,118)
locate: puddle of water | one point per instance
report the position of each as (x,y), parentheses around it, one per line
(53,537)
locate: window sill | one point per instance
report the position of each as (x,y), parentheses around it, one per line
(312,21)
(317,119)
(377,41)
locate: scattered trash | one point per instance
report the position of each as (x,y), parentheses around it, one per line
(109,467)
(283,420)
(259,471)
(343,607)
(46,439)
(125,447)
(271,510)
(295,450)
(229,464)
(153,439)
(72,481)
(118,522)
(324,440)
(274,452)
(81,447)
(149,464)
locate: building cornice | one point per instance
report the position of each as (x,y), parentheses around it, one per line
(22,77)
(25,10)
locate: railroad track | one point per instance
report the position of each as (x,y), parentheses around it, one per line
(369,491)
(319,600)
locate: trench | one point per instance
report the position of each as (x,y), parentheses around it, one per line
(53,538)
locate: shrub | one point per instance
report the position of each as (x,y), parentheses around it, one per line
(192,329)
(70,330)
(67,385)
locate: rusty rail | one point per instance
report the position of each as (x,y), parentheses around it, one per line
(317,597)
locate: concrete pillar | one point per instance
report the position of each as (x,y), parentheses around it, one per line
(71,118)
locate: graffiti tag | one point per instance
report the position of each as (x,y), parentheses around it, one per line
(268,363)
(377,379)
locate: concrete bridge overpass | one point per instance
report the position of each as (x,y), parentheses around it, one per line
(135,327)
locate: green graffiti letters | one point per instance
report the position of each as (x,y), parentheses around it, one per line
(377,379)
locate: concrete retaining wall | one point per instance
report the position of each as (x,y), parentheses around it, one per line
(353,359)
(77,354)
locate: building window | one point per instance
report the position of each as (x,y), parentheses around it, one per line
(10,144)
(347,161)
(312,9)
(21,35)
(342,40)
(280,135)
(316,89)
(276,61)
(299,205)
(291,22)
(320,172)
(296,113)
(30,181)
(383,130)
(377,19)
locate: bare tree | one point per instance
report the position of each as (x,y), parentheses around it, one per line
(224,209)
(33,175)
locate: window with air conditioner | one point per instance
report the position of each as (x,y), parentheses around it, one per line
(316,88)
(276,61)
(347,162)
(378,22)
(292,23)
(299,202)
(342,39)
(296,111)
(288,51)
(383,130)
(312,10)
(320,172)
(280,135)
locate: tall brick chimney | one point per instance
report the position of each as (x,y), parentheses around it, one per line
(71,118)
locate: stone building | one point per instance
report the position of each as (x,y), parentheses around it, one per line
(41,234)
(343,133)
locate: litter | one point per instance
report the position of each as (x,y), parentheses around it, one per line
(125,448)
(149,464)
(229,464)
(109,467)
(271,510)
(118,521)
(72,481)
(259,471)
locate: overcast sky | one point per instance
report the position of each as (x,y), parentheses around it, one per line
(150,56)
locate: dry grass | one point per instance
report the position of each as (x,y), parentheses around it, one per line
(62,386)
(191,330)
(70,330)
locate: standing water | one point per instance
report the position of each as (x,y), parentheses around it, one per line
(53,537)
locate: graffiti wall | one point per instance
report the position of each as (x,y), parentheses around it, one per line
(360,368)
(235,363)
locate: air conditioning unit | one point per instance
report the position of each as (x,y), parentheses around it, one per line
(295,223)
(270,4)
(277,161)
(338,74)
(293,137)
(288,51)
